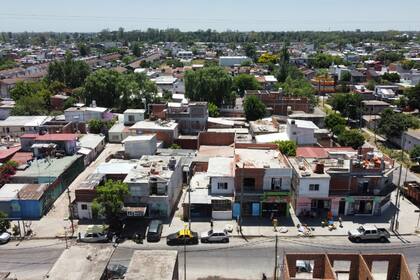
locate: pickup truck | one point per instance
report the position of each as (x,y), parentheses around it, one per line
(369,233)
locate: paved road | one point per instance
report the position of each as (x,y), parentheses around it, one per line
(240,259)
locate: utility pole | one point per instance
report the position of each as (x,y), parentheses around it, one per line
(189,206)
(397,198)
(275,260)
(185,258)
(70,211)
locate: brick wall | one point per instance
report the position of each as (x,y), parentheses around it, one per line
(216,138)
(256,173)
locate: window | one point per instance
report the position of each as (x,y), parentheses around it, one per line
(222,186)
(275,184)
(314,187)
(84,206)
(22,129)
(130,118)
(249,184)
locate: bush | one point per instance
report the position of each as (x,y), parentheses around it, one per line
(287,148)
(254,108)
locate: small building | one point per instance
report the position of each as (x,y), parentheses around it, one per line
(411,138)
(374,107)
(118,132)
(153,265)
(85,193)
(15,126)
(302,132)
(64,142)
(81,262)
(91,145)
(155,186)
(166,131)
(85,114)
(139,145)
(230,61)
(131,116)
(192,117)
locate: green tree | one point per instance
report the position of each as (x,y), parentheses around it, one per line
(348,104)
(391,77)
(267,58)
(345,77)
(213,110)
(110,200)
(174,146)
(287,147)
(284,66)
(254,108)
(84,49)
(244,82)
(351,138)
(415,154)
(31,105)
(393,124)
(413,95)
(299,88)
(211,84)
(70,72)
(388,57)
(250,51)
(4,222)
(333,120)
(136,49)
(324,60)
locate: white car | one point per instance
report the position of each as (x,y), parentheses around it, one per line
(93,237)
(4,237)
(214,236)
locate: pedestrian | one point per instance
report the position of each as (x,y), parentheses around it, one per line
(264,276)
(211,223)
(340,221)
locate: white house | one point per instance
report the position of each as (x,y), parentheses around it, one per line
(85,114)
(138,145)
(221,172)
(301,131)
(131,116)
(229,61)
(16,126)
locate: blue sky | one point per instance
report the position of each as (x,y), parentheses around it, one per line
(243,15)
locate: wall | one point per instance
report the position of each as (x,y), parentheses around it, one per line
(84,214)
(136,149)
(222,215)
(216,138)
(324,186)
(256,173)
(215,180)
(284,173)
(303,136)
(410,142)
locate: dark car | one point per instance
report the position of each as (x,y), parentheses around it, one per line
(154,231)
(184,236)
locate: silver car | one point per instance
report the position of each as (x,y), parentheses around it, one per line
(4,237)
(93,237)
(214,236)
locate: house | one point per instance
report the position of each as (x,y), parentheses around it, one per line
(386,91)
(57,173)
(39,144)
(153,265)
(155,186)
(302,132)
(85,193)
(229,61)
(344,182)
(262,182)
(279,104)
(15,126)
(139,145)
(85,114)
(374,107)
(6,107)
(186,55)
(166,83)
(411,138)
(7,152)
(118,132)
(131,116)
(267,82)
(191,118)
(166,131)
(87,262)
(91,145)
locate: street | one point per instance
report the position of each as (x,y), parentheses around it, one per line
(238,259)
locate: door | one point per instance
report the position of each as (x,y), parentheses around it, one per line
(341,207)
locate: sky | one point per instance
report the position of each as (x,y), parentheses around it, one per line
(220,15)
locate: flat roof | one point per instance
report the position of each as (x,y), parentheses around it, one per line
(375,103)
(116,167)
(32,191)
(57,137)
(136,138)
(134,111)
(207,152)
(25,121)
(320,152)
(91,141)
(152,265)
(221,167)
(258,158)
(52,167)
(10,191)
(81,262)
(271,137)
(155,125)
(303,124)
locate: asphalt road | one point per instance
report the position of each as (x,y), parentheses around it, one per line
(238,259)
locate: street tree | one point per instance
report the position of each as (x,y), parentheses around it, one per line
(413,95)
(333,120)
(351,138)
(244,82)
(211,84)
(110,200)
(70,72)
(4,222)
(84,49)
(348,104)
(415,154)
(254,108)
(136,49)
(393,124)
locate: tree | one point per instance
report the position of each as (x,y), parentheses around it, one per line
(388,57)
(4,223)
(84,49)
(323,60)
(136,49)
(284,68)
(244,82)
(415,154)
(211,84)
(391,77)
(346,76)
(333,120)
(101,86)
(287,147)
(31,105)
(213,110)
(349,104)
(413,95)
(70,72)
(110,200)
(352,138)
(267,58)
(7,170)
(250,51)
(299,88)
(254,108)
(99,126)
(393,124)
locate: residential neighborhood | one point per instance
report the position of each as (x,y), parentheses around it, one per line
(209,154)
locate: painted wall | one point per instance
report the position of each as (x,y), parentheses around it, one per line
(214,183)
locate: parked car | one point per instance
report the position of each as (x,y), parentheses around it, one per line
(184,236)
(154,231)
(214,236)
(4,237)
(369,233)
(94,234)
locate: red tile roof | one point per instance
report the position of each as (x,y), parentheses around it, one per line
(57,137)
(319,152)
(29,135)
(6,153)
(22,157)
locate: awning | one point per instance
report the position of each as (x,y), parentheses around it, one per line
(135,211)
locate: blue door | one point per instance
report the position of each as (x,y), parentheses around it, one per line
(236,211)
(255,209)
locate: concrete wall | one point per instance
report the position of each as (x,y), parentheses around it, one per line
(324,186)
(285,175)
(222,215)
(410,142)
(302,136)
(136,149)
(215,180)
(84,214)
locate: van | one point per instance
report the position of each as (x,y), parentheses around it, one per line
(154,231)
